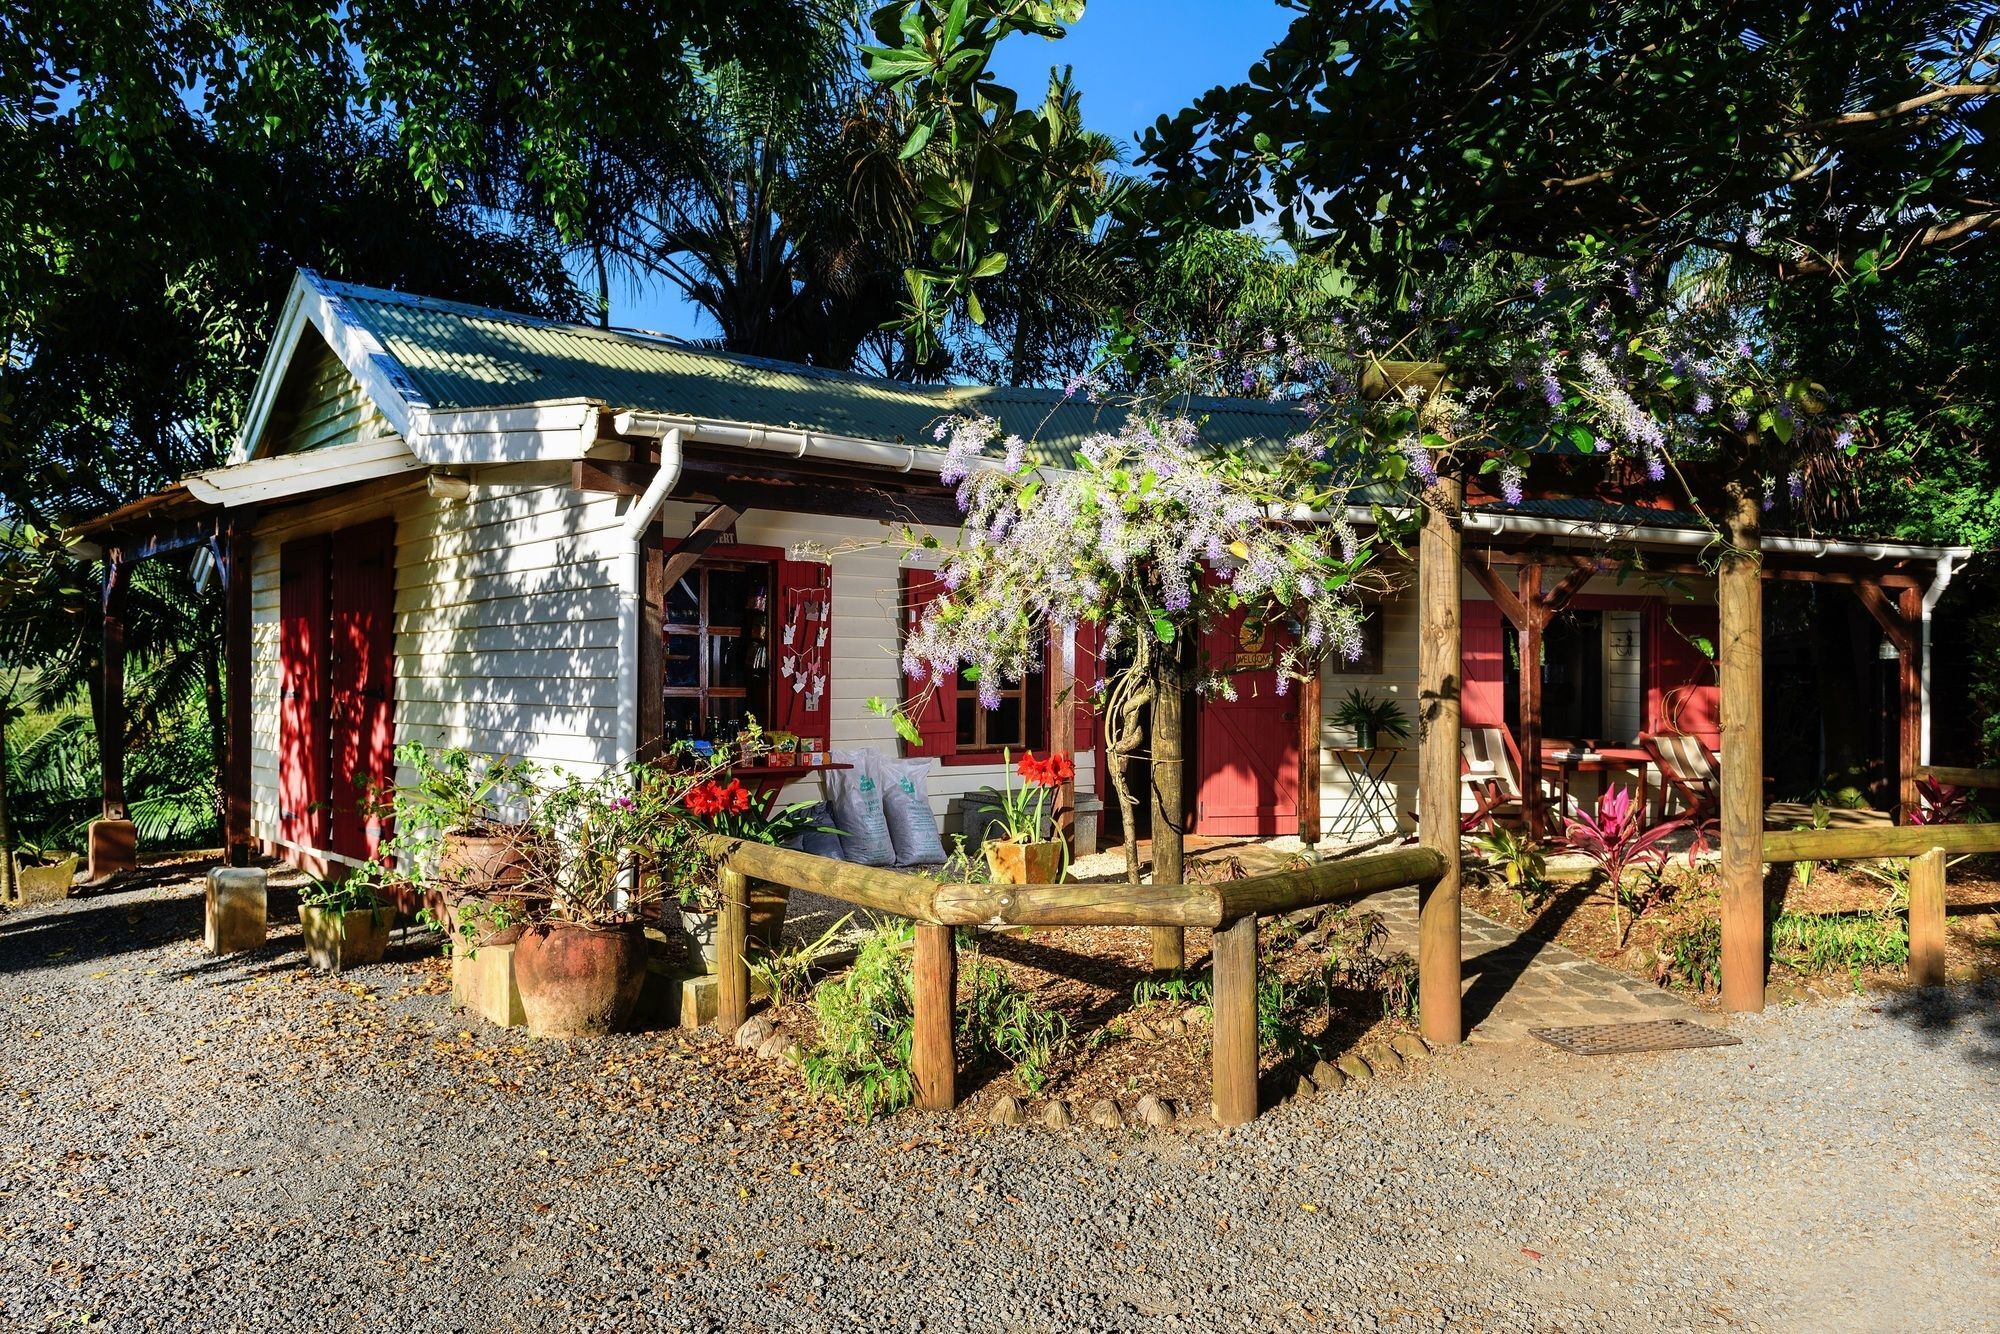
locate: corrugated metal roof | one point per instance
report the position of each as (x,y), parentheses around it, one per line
(461,356)
(1589,511)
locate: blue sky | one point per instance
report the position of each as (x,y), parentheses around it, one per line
(1135,60)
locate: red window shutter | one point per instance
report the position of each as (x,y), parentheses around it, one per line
(804,605)
(361,684)
(937,713)
(1483,657)
(1683,695)
(303,755)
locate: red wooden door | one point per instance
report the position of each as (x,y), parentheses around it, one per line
(361,731)
(1683,694)
(302,693)
(1482,698)
(1246,749)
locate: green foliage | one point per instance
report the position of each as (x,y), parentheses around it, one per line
(786,973)
(1691,954)
(343,894)
(1371,716)
(998,1016)
(1819,943)
(1519,863)
(861,1057)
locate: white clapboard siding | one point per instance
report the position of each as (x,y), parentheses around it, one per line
(1624,687)
(505,629)
(1396,681)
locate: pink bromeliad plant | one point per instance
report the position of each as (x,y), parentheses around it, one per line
(1616,839)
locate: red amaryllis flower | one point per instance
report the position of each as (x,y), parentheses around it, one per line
(736,797)
(1049,771)
(704,799)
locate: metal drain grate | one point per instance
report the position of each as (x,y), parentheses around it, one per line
(1646,1035)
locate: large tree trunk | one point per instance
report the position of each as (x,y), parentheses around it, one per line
(1169,796)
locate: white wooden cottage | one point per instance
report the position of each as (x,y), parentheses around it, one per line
(466,527)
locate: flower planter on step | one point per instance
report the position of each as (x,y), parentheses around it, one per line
(337,941)
(43,884)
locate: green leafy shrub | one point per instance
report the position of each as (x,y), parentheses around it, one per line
(1820,943)
(1691,955)
(867,1023)
(787,973)
(997,1016)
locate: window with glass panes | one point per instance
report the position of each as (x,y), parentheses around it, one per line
(1018,722)
(718,650)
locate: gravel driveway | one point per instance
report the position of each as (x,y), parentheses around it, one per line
(187,1144)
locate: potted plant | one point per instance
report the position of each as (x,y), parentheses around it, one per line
(458,830)
(1371,719)
(42,876)
(1023,856)
(346,921)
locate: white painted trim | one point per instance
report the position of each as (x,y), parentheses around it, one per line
(561,430)
(312,300)
(281,476)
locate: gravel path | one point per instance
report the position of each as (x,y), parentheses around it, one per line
(187,1144)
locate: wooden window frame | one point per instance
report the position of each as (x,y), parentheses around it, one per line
(723,557)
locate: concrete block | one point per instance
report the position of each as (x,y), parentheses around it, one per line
(114,847)
(234,910)
(482,981)
(43,884)
(701,997)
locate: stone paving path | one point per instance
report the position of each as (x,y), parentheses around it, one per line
(1514,982)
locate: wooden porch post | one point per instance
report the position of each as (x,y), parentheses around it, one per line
(1910,701)
(1169,798)
(1309,729)
(111,720)
(1061,693)
(1534,619)
(1740,597)
(1439,672)
(235,566)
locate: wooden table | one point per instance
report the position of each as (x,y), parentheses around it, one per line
(1603,760)
(765,781)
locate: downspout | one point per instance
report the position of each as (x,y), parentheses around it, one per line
(1947,565)
(631,560)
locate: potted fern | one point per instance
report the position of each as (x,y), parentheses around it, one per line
(1371,719)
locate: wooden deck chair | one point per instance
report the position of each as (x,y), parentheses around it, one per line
(1490,769)
(1689,769)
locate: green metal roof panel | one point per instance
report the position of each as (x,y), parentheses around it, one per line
(458,356)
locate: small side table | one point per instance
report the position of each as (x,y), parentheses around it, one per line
(1369,796)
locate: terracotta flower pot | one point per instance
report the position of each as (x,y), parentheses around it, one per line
(337,941)
(478,863)
(1024,863)
(579,981)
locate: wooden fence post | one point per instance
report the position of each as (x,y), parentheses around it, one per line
(1311,714)
(732,939)
(1234,1051)
(1439,670)
(1739,594)
(1927,919)
(934,991)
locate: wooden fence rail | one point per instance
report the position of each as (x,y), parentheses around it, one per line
(1984,779)
(1925,846)
(1230,909)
